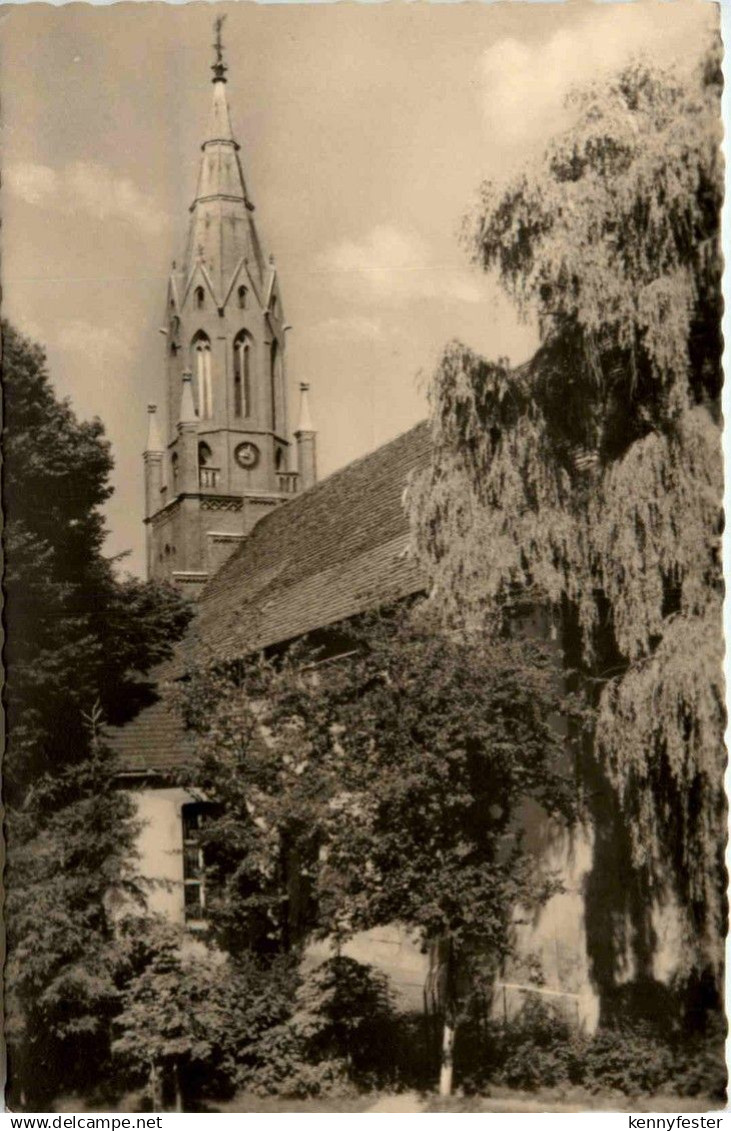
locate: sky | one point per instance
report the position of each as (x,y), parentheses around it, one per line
(365,131)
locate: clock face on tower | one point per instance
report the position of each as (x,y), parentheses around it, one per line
(247,455)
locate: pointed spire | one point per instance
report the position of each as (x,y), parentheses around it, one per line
(221,213)
(219,123)
(154,443)
(219,119)
(187,408)
(305,420)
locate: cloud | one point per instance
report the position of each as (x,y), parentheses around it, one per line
(85,188)
(392,265)
(99,345)
(32,183)
(524,85)
(353,328)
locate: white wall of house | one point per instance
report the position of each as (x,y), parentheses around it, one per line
(552,961)
(552,955)
(160,848)
(390,949)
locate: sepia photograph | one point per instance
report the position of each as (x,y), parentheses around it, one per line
(362,490)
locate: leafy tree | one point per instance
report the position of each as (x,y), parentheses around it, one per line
(345,1011)
(194,1022)
(380,789)
(80,643)
(265,768)
(173,1018)
(66,954)
(443,738)
(76,632)
(591,478)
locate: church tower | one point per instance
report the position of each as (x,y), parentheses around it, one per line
(226,459)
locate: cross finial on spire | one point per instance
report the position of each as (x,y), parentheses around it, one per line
(219,68)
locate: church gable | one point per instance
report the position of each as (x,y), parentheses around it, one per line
(199,278)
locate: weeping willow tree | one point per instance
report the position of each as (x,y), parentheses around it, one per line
(591,478)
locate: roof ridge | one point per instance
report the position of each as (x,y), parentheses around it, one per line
(362,459)
(271,519)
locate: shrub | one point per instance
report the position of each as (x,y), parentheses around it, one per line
(700,1064)
(630,1061)
(540,1048)
(342,1032)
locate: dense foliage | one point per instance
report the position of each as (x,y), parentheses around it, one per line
(191,1018)
(376,789)
(540,1047)
(65,953)
(76,632)
(196,1023)
(591,478)
(79,645)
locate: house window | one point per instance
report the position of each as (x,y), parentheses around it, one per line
(242,374)
(242,298)
(194,894)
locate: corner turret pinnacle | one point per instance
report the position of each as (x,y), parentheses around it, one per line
(306,438)
(187,408)
(154,443)
(305,420)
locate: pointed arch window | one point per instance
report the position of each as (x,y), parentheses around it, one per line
(243,346)
(174,465)
(200,298)
(242,296)
(274,368)
(201,350)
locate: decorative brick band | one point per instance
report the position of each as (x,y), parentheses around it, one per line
(219,504)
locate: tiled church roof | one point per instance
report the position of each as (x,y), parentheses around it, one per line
(326,555)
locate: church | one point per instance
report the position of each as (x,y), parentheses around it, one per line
(235,516)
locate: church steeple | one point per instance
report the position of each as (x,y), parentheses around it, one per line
(222,232)
(226,333)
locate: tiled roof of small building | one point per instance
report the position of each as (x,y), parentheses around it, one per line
(154,742)
(324,556)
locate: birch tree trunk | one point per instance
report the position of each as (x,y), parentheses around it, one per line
(178,1091)
(154,1087)
(442,985)
(447,1066)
